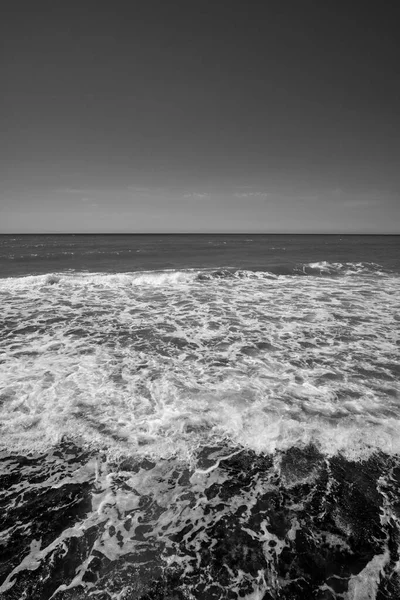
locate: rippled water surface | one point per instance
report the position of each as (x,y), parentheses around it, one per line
(218,418)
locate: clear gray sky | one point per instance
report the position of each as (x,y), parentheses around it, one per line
(192,116)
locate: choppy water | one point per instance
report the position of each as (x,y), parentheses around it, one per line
(229,431)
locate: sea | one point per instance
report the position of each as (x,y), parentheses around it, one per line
(199,417)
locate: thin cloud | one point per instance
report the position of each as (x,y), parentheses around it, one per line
(89,202)
(251,194)
(196,195)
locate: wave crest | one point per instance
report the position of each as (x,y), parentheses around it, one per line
(169,277)
(336,268)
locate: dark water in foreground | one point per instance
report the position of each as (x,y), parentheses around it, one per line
(199,417)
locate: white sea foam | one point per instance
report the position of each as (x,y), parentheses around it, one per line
(156,278)
(333,268)
(364,586)
(161,363)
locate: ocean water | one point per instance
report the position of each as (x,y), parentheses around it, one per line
(199,417)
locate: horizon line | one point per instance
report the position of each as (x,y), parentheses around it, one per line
(198,233)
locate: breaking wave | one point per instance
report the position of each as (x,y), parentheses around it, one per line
(171,276)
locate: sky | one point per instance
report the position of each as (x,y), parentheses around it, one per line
(199,116)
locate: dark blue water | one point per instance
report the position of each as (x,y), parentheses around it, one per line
(36,254)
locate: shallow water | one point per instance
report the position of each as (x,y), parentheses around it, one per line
(212,433)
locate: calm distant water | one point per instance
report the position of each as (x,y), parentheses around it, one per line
(199,417)
(36,254)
